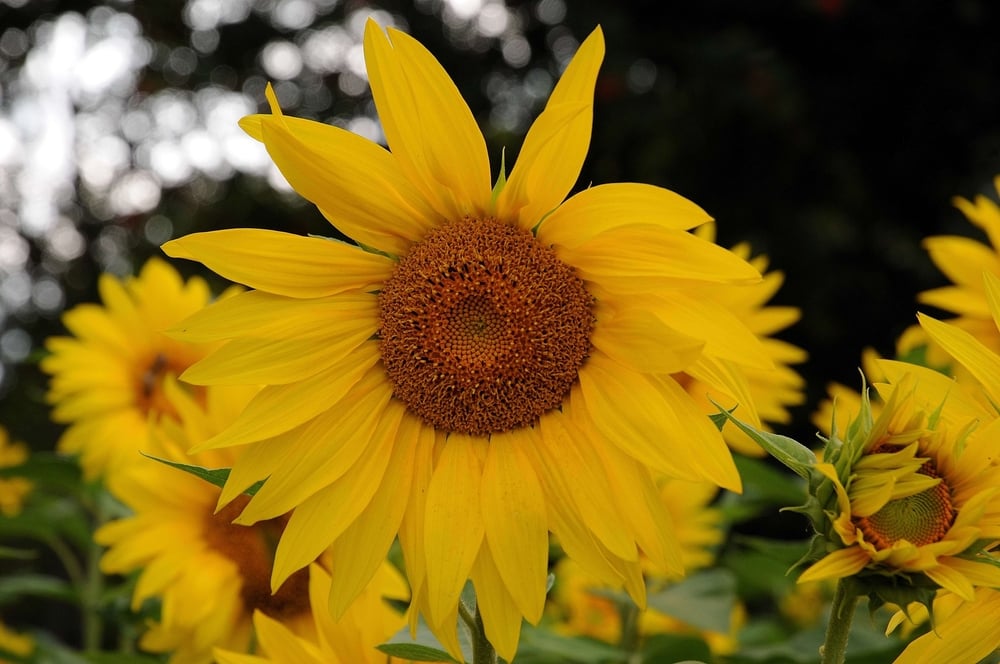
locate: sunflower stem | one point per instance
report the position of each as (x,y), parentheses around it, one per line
(482,650)
(845,601)
(90,600)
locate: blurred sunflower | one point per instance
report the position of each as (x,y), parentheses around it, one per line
(485,364)
(107,378)
(771,391)
(12,489)
(963,260)
(369,621)
(209,574)
(915,489)
(14,643)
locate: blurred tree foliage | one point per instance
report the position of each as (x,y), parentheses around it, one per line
(831,134)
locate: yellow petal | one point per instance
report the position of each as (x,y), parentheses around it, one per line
(725,335)
(992,284)
(429,127)
(633,259)
(968,351)
(837,565)
(283,263)
(360,550)
(556,144)
(641,341)
(599,209)
(963,260)
(280,408)
(357,184)
(500,613)
(411,530)
(276,637)
(642,509)
(956,299)
(263,315)
(453,524)
(339,447)
(653,421)
(970,634)
(729,386)
(247,361)
(329,511)
(568,460)
(516,526)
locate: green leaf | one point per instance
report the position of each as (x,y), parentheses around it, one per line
(47,469)
(764,488)
(678,648)
(17,554)
(13,588)
(793,454)
(119,658)
(539,644)
(704,600)
(216,476)
(45,517)
(424,646)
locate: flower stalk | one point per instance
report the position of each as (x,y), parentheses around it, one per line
(845,601)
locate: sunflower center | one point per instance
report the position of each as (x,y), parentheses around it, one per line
(923,518)
(483,329)
(150,396)
(252,549)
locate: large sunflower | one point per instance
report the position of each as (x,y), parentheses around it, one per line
(107,378)
(209,575)
(484,365)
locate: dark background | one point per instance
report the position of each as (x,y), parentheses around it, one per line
(831,134)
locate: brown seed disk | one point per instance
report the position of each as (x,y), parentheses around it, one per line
(251,548)
(921,519)
(483,329)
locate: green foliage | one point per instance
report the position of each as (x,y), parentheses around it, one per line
(216,476)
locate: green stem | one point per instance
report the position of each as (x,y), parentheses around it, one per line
(90,599)
(845,600)
(628,613)
(482,649)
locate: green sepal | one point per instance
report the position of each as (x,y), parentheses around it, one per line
(501,178)
(216,476)
(791,453)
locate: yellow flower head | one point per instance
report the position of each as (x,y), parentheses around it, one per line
(369,621)
(209,574)
(13,490)
(914,489)
(484,365)
(107,378)
(963,260)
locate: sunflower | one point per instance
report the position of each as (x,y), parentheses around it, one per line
(107,378)
(963,630)
(963,260)
(12,489)
(915,488)
(483,365)
(369,621)
(14,643)
(771,392)
(209,575)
